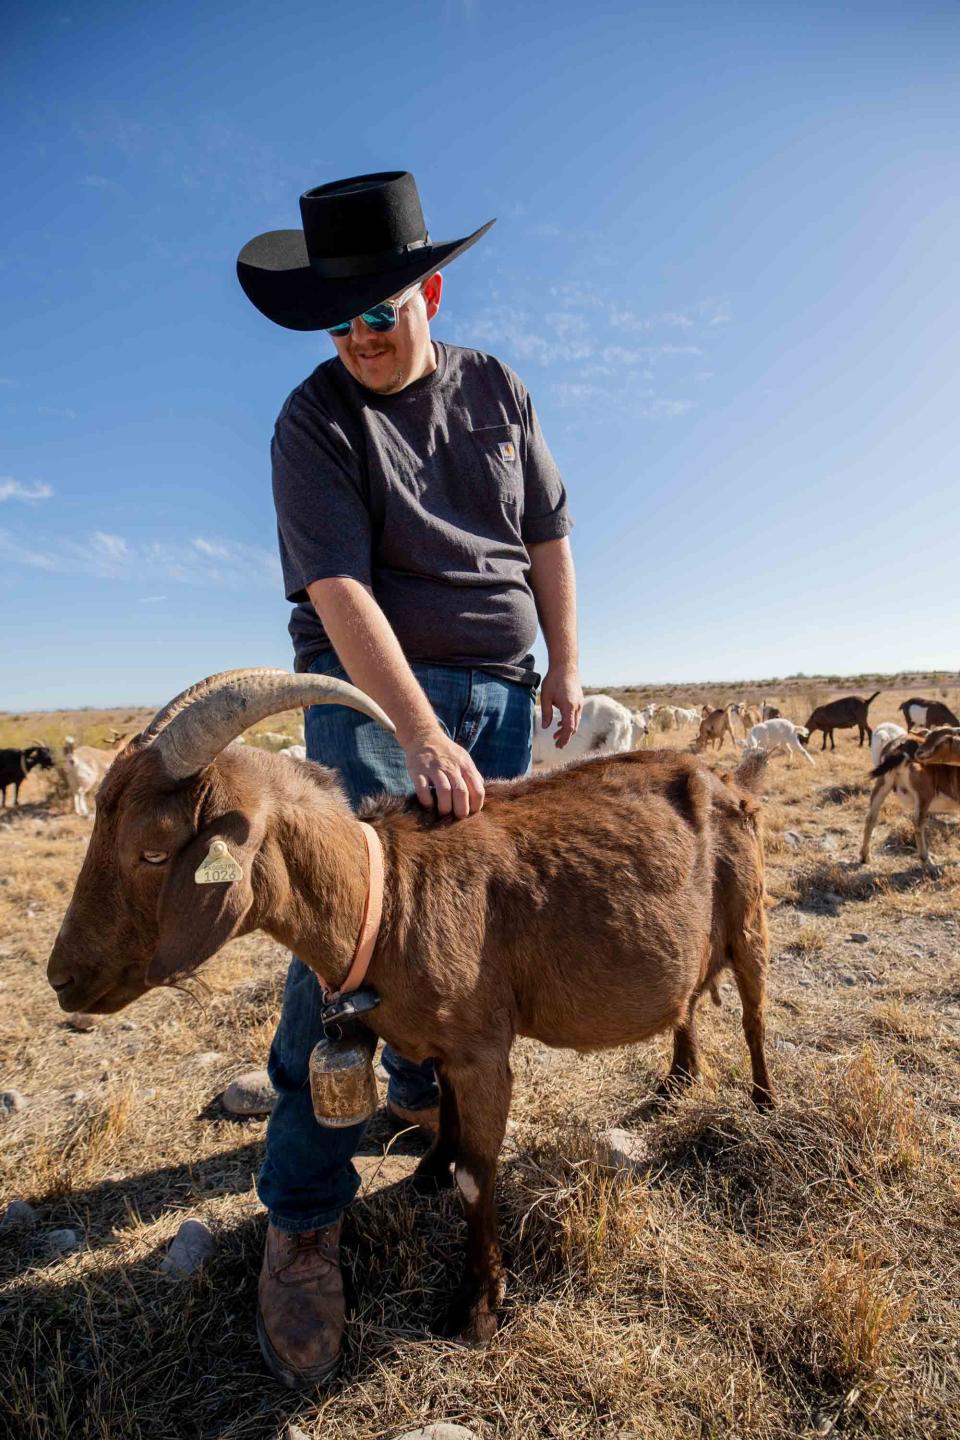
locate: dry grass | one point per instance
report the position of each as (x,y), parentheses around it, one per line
(757,1276)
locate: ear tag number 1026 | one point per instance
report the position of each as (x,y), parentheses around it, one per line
(219,868)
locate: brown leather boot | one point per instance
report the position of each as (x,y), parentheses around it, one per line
(300,1314)
(428,1119)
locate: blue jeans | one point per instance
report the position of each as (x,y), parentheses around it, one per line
(308,1175)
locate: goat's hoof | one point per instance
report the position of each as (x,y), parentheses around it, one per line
(468,1327)
(673,1085)
(763,1099)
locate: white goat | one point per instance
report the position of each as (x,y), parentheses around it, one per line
(606,727)
(881,737)
(780,734)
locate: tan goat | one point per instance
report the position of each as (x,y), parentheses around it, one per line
(921,771)
(587,907)
(86,765)
(715,726)
(748,715)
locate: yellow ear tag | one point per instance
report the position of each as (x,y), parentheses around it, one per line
(219,868)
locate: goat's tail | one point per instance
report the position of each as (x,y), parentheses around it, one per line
(751,773)
(872,698)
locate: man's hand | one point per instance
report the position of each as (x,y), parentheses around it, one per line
(561,689)
(434,760)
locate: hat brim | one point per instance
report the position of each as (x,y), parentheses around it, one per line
(275,273)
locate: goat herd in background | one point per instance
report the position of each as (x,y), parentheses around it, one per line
(919,765)
(916,764)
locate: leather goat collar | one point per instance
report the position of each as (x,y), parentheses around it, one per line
(370,921)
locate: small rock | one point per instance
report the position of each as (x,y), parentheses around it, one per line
(792,839)
(859,938)
(250,1094)
(293,1432)
(848,979)
(81,1022)
(18,1216)
(147,1093)
(114,1177)
(829,842)
(624,1149)
(440,1430)
(192,1245)
(805,980)
(61,1242)
(74,1097)
(209,1058)
(128,1025)
(788,1046)
(11,1101)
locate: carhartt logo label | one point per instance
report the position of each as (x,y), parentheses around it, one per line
(506,449)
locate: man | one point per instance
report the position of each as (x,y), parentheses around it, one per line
(423,527)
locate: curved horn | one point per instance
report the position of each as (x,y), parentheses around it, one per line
(195,727)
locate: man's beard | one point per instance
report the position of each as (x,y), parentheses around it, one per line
(395,382)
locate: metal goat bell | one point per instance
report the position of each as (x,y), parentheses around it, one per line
(342,1083)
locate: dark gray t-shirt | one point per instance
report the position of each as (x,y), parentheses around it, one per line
(431,497)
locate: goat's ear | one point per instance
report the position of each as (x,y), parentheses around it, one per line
(194,919)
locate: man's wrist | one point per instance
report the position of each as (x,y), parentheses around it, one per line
(419,732)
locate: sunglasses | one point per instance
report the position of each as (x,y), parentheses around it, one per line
(381,318)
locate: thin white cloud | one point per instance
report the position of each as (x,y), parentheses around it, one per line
(666,409)
(60,412)
(151,599)
(578,393)
(112,547)
(218,564)
(100,182)
(11,489)
(215,549)
(14,552)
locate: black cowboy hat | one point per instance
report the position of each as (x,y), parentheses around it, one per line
(363,240)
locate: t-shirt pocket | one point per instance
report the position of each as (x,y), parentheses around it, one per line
(498,458)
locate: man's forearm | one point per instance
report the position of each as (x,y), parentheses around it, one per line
(554,588)
(371,655)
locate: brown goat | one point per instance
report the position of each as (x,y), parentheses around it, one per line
(930,787)
(587,907)
(941,746)
(715,726)
(842,715)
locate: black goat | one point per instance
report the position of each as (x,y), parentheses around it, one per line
(842,715)
(15,765)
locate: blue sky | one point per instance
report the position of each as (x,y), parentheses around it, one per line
(725,265)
